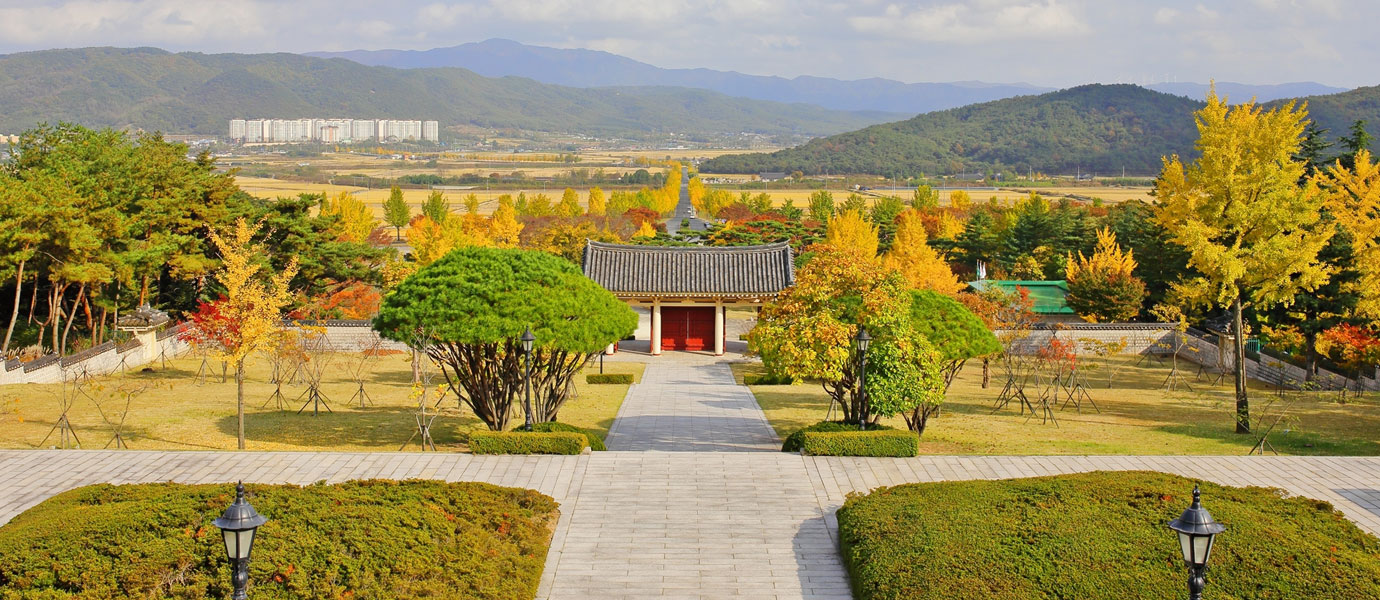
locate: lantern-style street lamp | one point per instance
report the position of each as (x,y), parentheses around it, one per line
(237,526)
(527,339)
(861,342)
(1197,531)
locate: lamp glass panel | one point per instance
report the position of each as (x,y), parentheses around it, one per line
(246,541)
(1201,544)
(1186,545)
(231,541)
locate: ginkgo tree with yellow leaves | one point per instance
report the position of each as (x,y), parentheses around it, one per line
(912,256)
(849,231)
(1103,287)
(253,304)
(1246,222)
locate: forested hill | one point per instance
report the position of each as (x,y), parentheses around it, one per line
(198,93)
(1092,128)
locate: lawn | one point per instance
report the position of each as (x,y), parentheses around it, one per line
(1096,536)
(169,410)
(1138,417)
(362,539)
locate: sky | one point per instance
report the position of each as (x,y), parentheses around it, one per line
(1044,42)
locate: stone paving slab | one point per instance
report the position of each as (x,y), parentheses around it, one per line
(691,408)
(678,524)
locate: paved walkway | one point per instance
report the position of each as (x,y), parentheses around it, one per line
(679,524)
(679,407)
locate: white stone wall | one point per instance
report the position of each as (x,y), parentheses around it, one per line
(101,360)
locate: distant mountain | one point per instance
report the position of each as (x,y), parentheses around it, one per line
(1243,92)
(198,93)
(592,68)
(1092,128)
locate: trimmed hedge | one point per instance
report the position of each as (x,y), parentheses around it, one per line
(861,443)
(362,539)
(596,442)
(514,442)
(795,441)
(618,378)
(1095,536)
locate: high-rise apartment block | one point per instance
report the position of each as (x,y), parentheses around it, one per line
(333,130)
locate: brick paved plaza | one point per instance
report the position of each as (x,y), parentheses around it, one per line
(681,506)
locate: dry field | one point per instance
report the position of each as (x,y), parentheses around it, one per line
(374,198)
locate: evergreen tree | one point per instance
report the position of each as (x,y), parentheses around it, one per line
(979,240)
(1358,140)
(1312,148)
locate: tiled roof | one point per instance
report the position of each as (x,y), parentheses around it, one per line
(692,270)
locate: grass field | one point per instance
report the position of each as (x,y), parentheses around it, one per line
(172,412)
(1138,417)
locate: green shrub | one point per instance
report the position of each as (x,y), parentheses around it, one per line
(362,539)
(767,379)
(796,440)
(512,442)
(596,442)
(1095,536)
(619,378)
(873,442)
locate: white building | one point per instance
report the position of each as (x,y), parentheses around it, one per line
(431,131)
(332,130)
(237,129)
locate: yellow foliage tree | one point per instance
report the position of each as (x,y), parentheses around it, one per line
(569,205)
(1353,197)
(504,227)
(471,204)
(1108,258)
(1240,212)
(912,257)
(960,200)
(431,240)
(355,220)
(597,204)
(645,231)
(253,305)
(850,232)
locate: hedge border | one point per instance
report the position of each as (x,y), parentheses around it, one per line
(887,443)
(508,442)
(609,378)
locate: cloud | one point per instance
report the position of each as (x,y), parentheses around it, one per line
(1166,15)
(975,22)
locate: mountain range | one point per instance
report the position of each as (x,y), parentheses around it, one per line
(592,68)
(191,92)
(1093,128)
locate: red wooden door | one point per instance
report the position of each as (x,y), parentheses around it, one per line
(687,328)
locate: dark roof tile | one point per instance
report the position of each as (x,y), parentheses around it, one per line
(692,270)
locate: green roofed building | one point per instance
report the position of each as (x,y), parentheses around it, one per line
(1050,298)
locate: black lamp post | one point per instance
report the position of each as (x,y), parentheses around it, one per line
(237,526)
(862,341)
(1196,531)
(527,339)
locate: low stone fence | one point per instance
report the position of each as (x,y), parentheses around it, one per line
(1160,339)
(98,360)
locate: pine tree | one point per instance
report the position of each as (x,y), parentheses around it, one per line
(979,240)
(1353,144)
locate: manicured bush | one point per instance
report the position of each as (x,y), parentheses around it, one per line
(873,442)
(514,442)
(362,539)
(796,440)
(596,442)
(1095,536)
(767,379)
(618,378)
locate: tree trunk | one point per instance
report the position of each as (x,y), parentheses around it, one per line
(71,317)
(1243,405)
(239,398)
(14,312)
(1310,355)
(986,372)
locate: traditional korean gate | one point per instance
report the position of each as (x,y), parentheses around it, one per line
(687,328)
